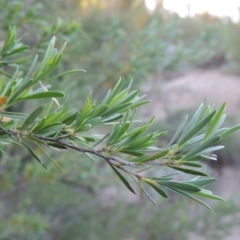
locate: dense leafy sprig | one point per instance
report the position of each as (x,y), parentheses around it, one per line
(129,147)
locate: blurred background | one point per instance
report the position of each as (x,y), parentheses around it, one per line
(177,52)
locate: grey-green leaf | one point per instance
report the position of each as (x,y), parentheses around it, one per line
(31,118)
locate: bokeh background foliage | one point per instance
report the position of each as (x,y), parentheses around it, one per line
(108,39)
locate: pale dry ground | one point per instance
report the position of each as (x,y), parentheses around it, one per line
(187,92)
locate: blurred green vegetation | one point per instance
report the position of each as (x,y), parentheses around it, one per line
(109,39)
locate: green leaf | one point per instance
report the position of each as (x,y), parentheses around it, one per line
(84,128)
(123,179)
(133,153)
(31,67)
(192,197)
(32,117)
(178,131)
(212,149)
(153,157)
(203,146)
(189,171)
(115,90)
(165,177)
(32,152)
(112,118)
(89,156)
(78,118)
(143,190)
(191,164)
(179,185)
(230,131)
(18,92)
(6,132)
(49,94)
(130,96)
(159,190)
(56,145)
(51,67)
(138,104)
(98,111)
(214,122)
(202,182)
(50,158)
(46,58)
(197,128)
(193,121)
(193,158)
(207,195)
(122,130)
(40,125)
(66,73)
(117,109)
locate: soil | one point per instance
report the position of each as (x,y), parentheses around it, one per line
(188,91)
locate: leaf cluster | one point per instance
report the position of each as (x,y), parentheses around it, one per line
(129,147)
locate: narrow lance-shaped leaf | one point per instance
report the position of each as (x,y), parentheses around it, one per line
(212,149)
(46,59)
(193,122)
(158,189)
(214,122)
(202,182)
(210,196)
(179,185)
(197,128)
(123,179)
(192,197)
(66,73)
(31,118)
(115,90)
(21,89)
(153,157)
(191,164)
(189,171)
(230,131)
(33,153)
(50,158)
(144,191)
(118,132)
(178,131)
(203,146)
(31,67)
(49,94)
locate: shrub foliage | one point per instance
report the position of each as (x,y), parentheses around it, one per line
(129,147)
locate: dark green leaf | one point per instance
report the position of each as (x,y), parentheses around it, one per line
(190,171)
(179,185)
(33,153)
(159,190)
(153,157)
(49,94)
(123,179)
(192,164)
